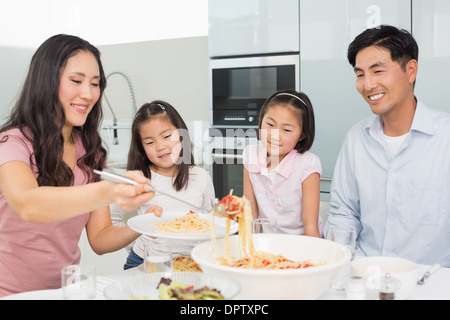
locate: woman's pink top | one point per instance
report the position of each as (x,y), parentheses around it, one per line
(33,254)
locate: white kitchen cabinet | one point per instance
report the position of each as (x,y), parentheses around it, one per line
(431,29)
(327,27)
(248,27)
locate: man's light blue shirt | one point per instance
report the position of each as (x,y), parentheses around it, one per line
(399,206)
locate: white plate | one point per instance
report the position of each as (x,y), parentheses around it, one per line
(144,224)
(55,294)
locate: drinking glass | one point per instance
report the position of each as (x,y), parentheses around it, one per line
(158,256)
(346,237)
(78,282)
(264,225)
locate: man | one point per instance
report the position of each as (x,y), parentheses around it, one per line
(392,177)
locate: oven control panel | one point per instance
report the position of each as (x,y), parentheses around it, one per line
(235,117)
(232,138)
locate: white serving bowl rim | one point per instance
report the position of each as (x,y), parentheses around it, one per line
(378,260)
(278,272)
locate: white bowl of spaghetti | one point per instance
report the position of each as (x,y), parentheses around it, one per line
(314,262)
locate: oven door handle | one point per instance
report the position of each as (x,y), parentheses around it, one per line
(227,156)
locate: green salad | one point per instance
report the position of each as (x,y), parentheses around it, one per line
(174,290)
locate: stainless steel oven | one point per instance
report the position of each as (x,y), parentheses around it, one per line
(240,85)
(226,149)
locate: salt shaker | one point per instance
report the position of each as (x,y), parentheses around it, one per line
(356,288)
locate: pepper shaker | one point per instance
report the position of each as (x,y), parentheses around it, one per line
(388,287)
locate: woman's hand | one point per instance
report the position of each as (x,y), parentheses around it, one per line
(130,197)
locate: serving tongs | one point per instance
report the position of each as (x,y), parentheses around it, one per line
(219,209)
(118,178)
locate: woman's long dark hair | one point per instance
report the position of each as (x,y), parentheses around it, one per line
(137,158)
(39,114)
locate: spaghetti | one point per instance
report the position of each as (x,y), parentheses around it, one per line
(240,210)
(185,264)
(270,261)
(190,222)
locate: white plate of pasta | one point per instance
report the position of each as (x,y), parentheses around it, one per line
(181,225)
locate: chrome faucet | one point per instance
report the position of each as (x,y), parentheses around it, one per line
(133,101)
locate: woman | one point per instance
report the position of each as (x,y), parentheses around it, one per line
(48,149)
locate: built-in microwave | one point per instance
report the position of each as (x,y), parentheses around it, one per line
(240,85)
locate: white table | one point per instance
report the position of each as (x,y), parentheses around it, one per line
(437,287)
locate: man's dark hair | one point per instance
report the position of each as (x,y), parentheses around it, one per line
(400,43)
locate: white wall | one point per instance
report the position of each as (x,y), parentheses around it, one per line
(174,70)
(14,62)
